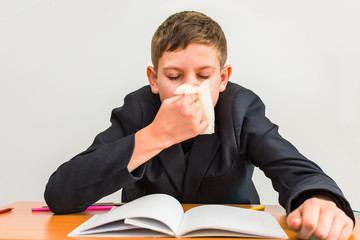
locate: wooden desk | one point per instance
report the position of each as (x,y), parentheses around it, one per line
(22,223)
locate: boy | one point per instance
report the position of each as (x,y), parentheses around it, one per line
(153,144)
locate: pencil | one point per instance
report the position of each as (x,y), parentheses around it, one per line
(259,208)
(5,210)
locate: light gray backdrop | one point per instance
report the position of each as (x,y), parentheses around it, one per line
(64,65)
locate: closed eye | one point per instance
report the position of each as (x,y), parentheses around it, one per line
(174,78)
(203,77)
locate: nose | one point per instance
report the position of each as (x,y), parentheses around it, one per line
(192,80)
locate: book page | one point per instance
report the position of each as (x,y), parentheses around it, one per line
(110,227)
(152,224)
(161,207)
(229,221)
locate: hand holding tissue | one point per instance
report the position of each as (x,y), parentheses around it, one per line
(204,102)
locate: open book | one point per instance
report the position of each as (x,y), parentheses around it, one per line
(162,215)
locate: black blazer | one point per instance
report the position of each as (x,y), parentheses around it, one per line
(219,168)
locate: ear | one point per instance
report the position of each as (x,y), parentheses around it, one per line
(152,77)
(225,75)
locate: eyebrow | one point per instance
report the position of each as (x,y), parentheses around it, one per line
(171,68)
(179,69)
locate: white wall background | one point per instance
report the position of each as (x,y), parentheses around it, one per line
(64,65)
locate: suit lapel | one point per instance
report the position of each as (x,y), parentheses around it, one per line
(201,155)
(173,161)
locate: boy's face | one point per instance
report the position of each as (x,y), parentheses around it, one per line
(194,64)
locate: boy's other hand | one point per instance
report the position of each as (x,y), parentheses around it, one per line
(178,119)
(320,217)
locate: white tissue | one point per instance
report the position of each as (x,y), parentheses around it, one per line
(204,102)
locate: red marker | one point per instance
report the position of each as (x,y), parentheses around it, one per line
(5,210)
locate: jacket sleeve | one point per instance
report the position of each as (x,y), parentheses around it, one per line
(293,176)
(100,170)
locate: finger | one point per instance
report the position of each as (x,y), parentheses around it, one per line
(190,99)
(198,115)
(339,227)
(310,218)
(199,118)
(325,223)
(346,232)
(174,99)
(203,125)
(293,220)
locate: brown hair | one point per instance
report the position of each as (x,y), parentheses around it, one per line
(183,28)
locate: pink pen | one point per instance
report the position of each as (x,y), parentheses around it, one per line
(89,208)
